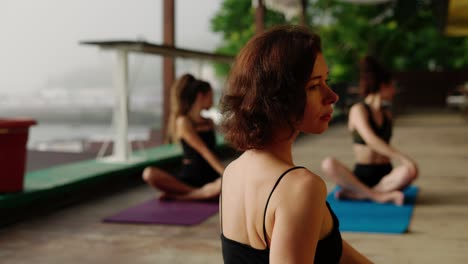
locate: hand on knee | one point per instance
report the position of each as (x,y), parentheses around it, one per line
(328,165)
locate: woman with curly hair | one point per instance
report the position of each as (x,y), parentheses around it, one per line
(273,211)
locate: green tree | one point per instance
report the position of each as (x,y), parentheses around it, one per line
(402,34)
(236,22)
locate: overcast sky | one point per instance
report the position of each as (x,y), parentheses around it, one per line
(39,39)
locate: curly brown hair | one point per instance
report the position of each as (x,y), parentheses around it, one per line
(372,75)
(266,86)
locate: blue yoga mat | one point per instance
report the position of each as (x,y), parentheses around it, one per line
(367,216)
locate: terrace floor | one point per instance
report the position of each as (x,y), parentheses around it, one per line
(437,140)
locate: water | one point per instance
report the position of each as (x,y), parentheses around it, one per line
(46,134)
(59,131)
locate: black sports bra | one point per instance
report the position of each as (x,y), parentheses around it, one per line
(384,131)
(329,249)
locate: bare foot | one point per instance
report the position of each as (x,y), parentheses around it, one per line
(396,197)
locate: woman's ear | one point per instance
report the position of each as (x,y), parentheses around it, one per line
(199,97)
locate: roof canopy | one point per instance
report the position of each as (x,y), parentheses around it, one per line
(151,48)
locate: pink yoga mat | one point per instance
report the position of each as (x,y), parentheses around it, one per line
(166,213)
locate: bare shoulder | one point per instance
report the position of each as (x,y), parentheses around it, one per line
(357,110)
(301,197)
(183,122)
(357,113)
(305,183)
(230,167)
(233,168)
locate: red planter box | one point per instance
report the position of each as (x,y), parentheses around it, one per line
(13,139)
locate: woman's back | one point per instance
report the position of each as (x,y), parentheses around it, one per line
(247,183)
(255,187)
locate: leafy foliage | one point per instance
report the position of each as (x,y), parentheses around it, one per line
(403,34)
(236,22)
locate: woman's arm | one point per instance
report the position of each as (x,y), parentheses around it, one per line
(298,218)
(352,256)
(359,119)
(187,132)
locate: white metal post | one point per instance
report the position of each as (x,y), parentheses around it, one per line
(121,148)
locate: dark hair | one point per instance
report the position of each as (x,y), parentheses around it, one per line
(266,85)
(372,75)
(189,93)
(184,91)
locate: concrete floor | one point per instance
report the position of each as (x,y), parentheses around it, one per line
(438,141)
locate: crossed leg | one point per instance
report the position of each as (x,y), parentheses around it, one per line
(172,188)
(399,178)
(352,188)
(165,182)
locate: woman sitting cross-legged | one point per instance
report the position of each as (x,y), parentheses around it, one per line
(201,169)
(371,126)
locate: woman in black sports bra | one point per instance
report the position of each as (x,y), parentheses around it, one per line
(200,166)
(373,177)
(271,210)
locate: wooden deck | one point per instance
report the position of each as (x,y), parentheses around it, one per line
(437,140)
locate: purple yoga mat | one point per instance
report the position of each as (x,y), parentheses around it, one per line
(166,212)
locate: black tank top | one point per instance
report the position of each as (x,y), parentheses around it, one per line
(207,136)
(328,249)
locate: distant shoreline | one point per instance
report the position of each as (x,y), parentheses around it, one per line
(78,116)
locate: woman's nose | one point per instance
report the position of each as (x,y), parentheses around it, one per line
(331,97)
